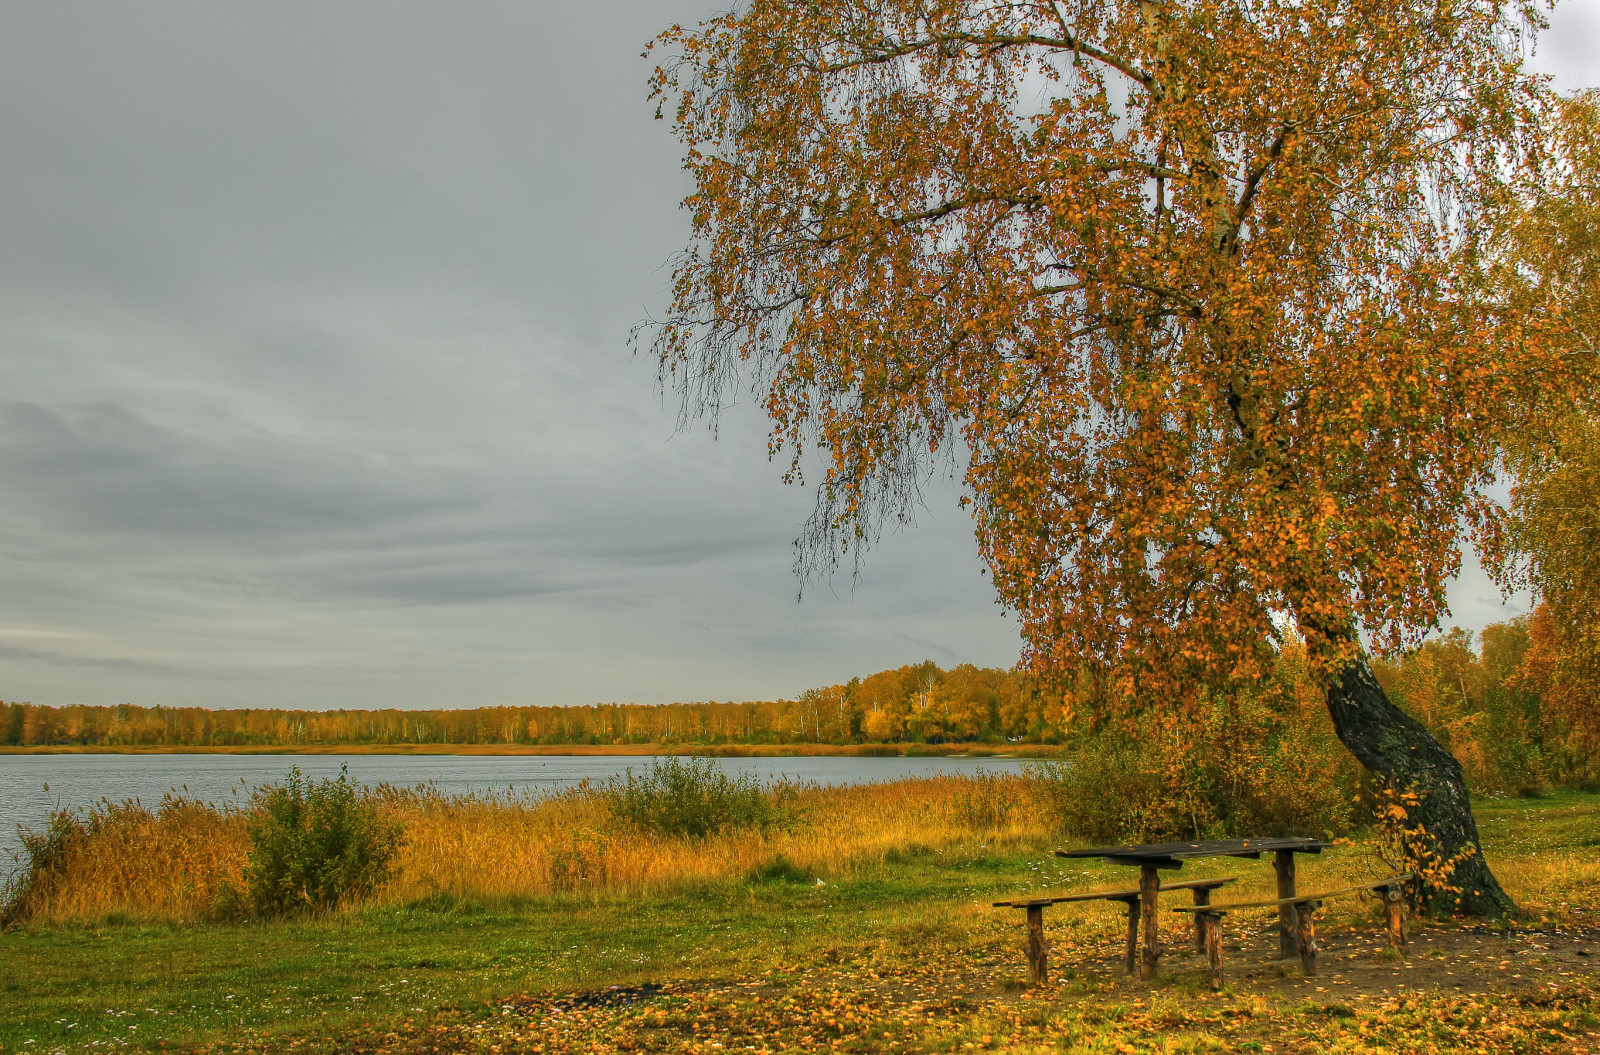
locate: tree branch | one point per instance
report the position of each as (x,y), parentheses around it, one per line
(999,41)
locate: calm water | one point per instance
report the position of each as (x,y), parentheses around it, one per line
(76,781)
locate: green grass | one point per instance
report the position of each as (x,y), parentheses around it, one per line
(120,984)
(1559,821)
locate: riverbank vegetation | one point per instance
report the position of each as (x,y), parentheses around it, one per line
(723,944)
(641,835)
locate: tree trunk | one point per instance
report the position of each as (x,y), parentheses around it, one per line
(1396,748)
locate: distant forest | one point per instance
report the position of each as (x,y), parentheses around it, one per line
(1498,702)
(921,703)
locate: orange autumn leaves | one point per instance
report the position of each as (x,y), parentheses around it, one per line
(1552,542)
(1170,285)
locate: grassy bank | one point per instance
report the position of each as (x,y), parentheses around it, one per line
(896,949)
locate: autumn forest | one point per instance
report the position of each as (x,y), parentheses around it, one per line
(1501,704)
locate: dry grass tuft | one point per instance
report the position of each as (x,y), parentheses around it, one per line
(180,862)
(169,863)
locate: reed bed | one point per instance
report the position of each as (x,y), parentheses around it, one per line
(124,859)
(185,861)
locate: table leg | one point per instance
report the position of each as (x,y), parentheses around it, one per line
(1038,967)
(1133,934)
(1288,923)
(1149,883)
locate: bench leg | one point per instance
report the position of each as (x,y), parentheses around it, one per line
(1394,907)
(1306,934)
(1038,967)
(1201,899)
(1211,933)
(1133,934)
(1149,883)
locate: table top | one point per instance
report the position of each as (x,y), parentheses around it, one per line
(1171,855)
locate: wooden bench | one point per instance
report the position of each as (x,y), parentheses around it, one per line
(1038,969)
(1208,919)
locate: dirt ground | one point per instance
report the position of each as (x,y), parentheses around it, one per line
(1359,964)
(1363,998)
(1352,967)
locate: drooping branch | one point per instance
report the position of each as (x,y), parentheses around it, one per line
(990,43)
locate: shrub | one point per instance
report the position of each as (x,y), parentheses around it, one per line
(695,798)
(315,845)
(1236,767)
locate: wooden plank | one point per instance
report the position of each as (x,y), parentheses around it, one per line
(1301,897)
(1208,848)
(1141,862)
(1108,895)
(1115,895)
(1200,884)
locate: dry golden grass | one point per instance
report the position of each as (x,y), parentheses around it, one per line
(502,850)
(174,864)
(165,864)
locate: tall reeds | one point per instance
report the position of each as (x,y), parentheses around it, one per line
(179,862)
(167,863)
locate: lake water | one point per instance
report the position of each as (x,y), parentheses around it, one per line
(78,781)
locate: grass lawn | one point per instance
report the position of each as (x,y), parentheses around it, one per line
(905,955)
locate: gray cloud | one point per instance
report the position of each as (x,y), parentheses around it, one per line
(313,348)
(102,469)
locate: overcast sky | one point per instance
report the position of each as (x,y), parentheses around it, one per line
(315,392)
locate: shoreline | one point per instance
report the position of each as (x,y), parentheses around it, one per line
(586,750)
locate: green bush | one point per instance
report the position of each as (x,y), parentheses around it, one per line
(694,797)
(1237,767)
(314,845)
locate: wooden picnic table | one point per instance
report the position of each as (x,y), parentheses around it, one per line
(1154,856)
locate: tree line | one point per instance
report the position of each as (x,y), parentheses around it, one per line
(919,702)
(1502,704)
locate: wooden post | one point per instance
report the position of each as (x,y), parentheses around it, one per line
(1211,933)
(1149,883)
(1202,897)
(1288,925)
(1133,934)
(1394,907)
(1038,967)
(1306,932)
